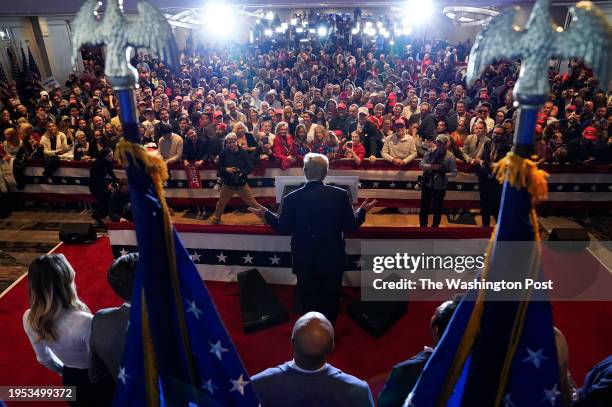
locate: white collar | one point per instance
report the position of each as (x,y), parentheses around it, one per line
(294,365)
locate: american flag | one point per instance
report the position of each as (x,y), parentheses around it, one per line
(3,83)
(24,66)
(15,73)
(32,67)
(33,73)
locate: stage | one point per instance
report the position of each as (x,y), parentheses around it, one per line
(356,352)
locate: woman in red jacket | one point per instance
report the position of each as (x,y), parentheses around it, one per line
(282,145)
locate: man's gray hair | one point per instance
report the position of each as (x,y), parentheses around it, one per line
(230,135)
(315,166)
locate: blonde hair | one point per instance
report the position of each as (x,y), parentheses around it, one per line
(281,124)
(51,290)
(239,125)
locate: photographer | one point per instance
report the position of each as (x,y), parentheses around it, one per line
(99,185)
(119,207)
(438,165)
(234,166)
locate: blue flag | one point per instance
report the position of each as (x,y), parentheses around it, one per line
(177,352)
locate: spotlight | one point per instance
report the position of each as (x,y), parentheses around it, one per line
(407,30)
(284,26)
(269,16)
(420,10)
(215,25)
(312,30)
(391,42)
(368,24)
(322,31)
(299,30)
(385,34)
(354,31)
(294,21)
(279,29)
(268,32)
(379,24)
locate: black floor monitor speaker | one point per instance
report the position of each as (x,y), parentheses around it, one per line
(377,317)
(260,306)
(77,233)
(577,238)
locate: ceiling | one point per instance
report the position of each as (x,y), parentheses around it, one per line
(37,7)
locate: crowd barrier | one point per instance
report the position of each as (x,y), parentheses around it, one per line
(570,186)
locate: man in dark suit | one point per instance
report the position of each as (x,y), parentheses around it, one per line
(317,216)
(109,328)
(308,380)
(194,148)
(404,375)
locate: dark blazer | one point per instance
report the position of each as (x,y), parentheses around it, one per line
(193,152)
(317,216)
(107,340)
(284,386)
(402,379)
(371,138)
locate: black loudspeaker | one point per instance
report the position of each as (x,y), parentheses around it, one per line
(578,237)
(377,317)
(77,233)
(260,307)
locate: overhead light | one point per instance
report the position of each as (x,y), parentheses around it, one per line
(312,30)
(391,42)
(279,29)
(407,30)
(215,25)
(355,31)
(322,31)
(299,30)
(379,24)
(269,16)
(294,21)
(268,32)
(368,24)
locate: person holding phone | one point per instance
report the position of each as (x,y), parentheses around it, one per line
(354,149)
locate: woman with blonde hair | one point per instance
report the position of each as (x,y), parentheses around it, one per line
(460,134)
(58,323)
(11,142)
(246,141)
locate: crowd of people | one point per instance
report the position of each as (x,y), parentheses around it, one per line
(86,349)
(336,99)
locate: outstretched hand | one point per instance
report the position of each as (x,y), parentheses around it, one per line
(260,211)
(368,204)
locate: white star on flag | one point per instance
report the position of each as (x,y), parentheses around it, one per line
(36,180)
(217,349)
(50,180)
(248,259)
(221,257)
(459,187)
(180,184)
(122,375)
(193,308)
(123,251)
(275,259)
(609,187)
(594,188)
(551,395)
(359,185)
(165,184)
(64,181)
(238,385)
(375,185)
(259,183)
(211,183)
(577,188)
(195,257)
(508,402)
(77,181)
(392,185)
(409,185)
(208,385)
(476,187)
(360,263)
(559,187)
(535,357)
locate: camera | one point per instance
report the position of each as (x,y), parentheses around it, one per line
(349,145)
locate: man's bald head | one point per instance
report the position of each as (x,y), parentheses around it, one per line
(313,340)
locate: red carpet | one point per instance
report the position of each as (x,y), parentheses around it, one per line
(586,325)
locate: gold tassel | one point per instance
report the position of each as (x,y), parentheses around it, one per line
(523,173)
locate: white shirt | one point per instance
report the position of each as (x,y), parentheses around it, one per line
(72,345)
(294,365)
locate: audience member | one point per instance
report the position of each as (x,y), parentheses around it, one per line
(400,148)
(309,380)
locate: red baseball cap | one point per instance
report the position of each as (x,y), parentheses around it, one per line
(400,122)
(341,106)
(338,133)
(343,95)
(217,113)
(232,96)
(590,133)
(571,107)
(221,126)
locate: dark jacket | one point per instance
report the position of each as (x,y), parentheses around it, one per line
(371,138)
(402,379)
(119,206)
(240,159)
(284,386)
(317,216)
(194,152)
(99,174)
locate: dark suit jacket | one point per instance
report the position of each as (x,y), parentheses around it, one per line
(107,340)
(317,216)
(402,379)
(284,386)
(371,138)
(194,153)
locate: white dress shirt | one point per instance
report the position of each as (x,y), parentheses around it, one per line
(72,345)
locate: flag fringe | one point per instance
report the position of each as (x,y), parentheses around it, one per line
(522,173)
